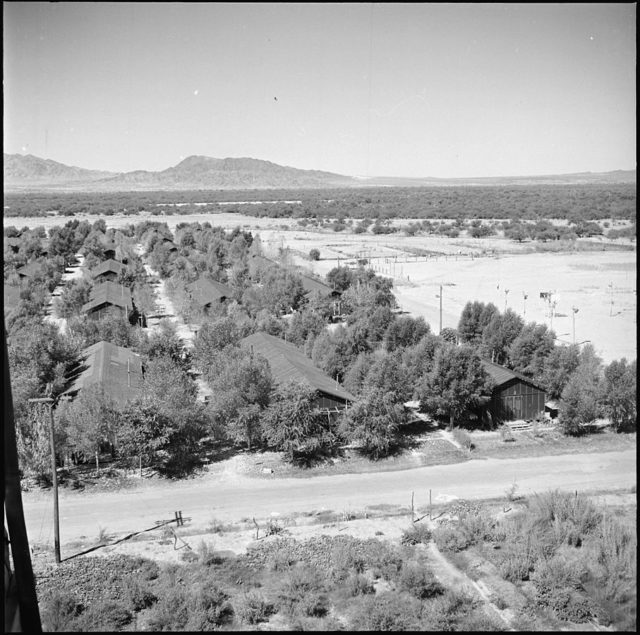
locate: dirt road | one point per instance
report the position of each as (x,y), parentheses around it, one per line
(231,497)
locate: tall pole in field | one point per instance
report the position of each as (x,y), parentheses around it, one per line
(524,303)
(54,476)
(506,292)
(440,296)
(574,311)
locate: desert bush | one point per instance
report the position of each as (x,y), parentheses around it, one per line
(506,434)
(447,611)
(59,610)
(138,594)
(358,584)
(419,581)
(449,537)
(463,438)
(566,517)
(616,556)
(387,611)
(170,613)
(208,608)
(205,553)
(105,616)
(301,592)
(252,607)
(558,586)
(149,570)
(416,534)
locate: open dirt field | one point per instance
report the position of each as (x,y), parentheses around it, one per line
(601,284)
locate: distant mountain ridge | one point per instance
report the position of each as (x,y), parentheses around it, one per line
(28,172)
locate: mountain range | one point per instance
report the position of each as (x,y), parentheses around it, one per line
(31,173)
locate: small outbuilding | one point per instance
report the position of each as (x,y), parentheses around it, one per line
(106,296)
(107,271)
(205,293)
(515,396)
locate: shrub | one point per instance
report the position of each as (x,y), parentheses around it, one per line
(208,607)
(388,611)
(450,538)
(444,613)
(138,594)
(252,607)
(419,581)
(104,615)
(300,592)
(59,611)
(463,438)
(314,254)
(506,434)
(416,534)
(358,584)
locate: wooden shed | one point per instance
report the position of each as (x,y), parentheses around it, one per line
(106,296)
(107,271)
(515,396)
(206,293)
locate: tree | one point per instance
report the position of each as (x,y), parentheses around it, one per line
(304,323)
(528,352)
(449,335)
(165,342)
(457,382)
(388,375)
(499,334)
(581,399)
(340,278)
(314,254)
(372,423)
(144,430)
(293,424)
(213,336)
(33,443)
(90,421)
(473,320)
(620,402)
(242,381)
(405,331)
(75,294)
(558,367)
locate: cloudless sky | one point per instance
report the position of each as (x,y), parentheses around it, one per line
(444,90)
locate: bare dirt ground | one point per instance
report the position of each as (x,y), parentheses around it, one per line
(227,497)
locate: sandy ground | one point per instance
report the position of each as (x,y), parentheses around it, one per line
(226,496)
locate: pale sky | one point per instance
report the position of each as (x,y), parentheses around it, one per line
(442,90)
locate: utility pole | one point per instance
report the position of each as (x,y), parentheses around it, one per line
(524,303)
(506,292)
(573,316)
(440,296)
(54,476)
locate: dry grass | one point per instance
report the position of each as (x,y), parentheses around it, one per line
(551,441)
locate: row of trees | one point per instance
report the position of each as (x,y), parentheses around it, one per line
(588,202)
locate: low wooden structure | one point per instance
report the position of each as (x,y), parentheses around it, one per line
(514,396)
